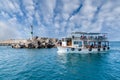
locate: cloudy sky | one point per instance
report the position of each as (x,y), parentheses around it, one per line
(58,18)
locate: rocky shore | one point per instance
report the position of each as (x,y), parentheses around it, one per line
(36,42)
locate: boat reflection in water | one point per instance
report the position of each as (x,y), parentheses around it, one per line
(83,66)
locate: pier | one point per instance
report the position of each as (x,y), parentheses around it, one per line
(35,42)
(11,41)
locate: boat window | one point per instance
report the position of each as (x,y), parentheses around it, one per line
(78,43)
(75,42)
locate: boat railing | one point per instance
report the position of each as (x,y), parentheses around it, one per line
(100,38)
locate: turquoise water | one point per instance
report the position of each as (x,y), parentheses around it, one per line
(46,64)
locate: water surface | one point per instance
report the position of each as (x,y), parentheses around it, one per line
(46,64)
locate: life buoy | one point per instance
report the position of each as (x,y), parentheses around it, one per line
(108,48)
(98,49)
(104,49)
(79,49)
(72,49)
(90,49)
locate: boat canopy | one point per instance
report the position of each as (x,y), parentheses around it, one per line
(90,33)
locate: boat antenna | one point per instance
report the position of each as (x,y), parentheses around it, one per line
(31,32)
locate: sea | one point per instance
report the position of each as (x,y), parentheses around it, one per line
(47,64)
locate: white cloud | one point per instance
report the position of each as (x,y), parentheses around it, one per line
(10,6)
(4,15)
(69,5)
(8,32)
(52,16)
(29,6)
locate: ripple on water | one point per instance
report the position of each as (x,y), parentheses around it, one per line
(46,64)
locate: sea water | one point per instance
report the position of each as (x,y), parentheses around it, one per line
(47,64)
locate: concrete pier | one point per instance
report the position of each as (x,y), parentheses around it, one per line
(11,41)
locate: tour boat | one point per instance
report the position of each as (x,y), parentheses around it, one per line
(83,42)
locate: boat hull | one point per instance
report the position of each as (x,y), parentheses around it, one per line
(80,50)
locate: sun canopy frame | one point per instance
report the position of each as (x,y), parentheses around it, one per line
(90,33)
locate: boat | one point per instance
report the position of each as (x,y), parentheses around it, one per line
(84,42)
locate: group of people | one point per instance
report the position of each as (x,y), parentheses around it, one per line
(92,37)
(96,45)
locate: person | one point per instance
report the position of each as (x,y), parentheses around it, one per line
(92,45)
(95,45)
(60,43)
(81,37)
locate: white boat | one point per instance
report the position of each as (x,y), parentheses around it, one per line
(83,42)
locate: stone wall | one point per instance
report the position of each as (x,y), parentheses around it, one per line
(36,42)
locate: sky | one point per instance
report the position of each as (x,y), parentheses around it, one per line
(58,18)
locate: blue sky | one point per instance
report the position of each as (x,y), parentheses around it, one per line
(58,18)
